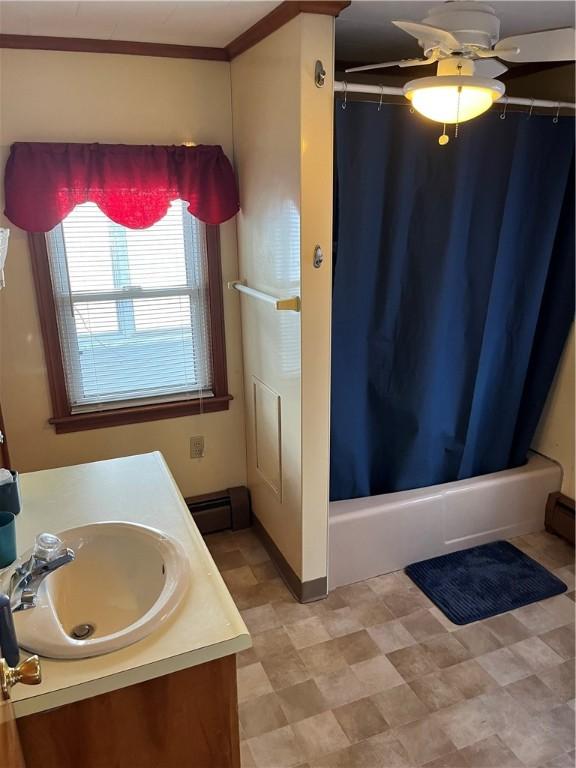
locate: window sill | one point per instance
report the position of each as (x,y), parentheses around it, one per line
(119,416)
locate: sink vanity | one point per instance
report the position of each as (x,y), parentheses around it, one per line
(123,582)
(137,635)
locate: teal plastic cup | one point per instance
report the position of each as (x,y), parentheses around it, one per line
(7,539)
(10,495)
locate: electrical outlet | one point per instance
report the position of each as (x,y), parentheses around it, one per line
(197,447)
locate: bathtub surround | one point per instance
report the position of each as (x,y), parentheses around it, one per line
(375,535)
(376,676)
(472,247)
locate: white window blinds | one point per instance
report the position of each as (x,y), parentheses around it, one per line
(132,308)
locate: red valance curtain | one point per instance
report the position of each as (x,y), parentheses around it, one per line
(132,185)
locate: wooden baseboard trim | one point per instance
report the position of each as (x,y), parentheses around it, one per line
(303,591)
(316,589)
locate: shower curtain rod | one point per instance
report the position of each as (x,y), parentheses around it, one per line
(387,90)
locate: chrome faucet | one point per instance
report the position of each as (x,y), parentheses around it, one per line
(49,554)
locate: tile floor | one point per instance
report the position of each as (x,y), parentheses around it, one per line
(376,677)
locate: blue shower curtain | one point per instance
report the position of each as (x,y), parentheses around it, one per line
(453,293)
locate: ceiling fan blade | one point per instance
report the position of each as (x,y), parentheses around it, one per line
(550,45)
(489,68)
(428,34)
(432,59)
(400,63)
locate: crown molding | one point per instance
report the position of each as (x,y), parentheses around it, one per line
(93,45)
(281,15)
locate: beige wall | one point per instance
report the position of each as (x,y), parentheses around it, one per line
(316,185)
(555,435)
(266,114)
(50,96)
(283,151)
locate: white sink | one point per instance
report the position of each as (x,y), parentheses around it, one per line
(125,581)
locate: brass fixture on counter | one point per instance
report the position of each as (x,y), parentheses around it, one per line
(28,672)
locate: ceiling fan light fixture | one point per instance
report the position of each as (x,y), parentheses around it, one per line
(453,99)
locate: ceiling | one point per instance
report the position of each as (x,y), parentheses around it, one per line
(214,23)
(364,32)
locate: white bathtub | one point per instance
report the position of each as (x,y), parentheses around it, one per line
(379,534)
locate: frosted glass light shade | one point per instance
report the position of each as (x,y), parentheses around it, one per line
(453,99)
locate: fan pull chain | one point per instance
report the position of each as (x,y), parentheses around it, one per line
(458,110)
(530,110)
(345,84)
(502,114)
(555,118)
(381,97)
(444,139)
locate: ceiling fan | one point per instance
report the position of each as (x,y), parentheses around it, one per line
(462,38)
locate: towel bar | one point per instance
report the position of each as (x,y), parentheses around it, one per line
(290,304)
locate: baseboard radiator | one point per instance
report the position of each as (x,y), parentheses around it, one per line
(221,510)
(560,516)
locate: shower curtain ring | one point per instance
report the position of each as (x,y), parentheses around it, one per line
(555,118)
(381,97)
(345,84)
(503,113)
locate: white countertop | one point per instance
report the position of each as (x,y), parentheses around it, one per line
(135,489)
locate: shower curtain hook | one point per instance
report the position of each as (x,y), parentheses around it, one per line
(503,113)
(531,109)
(381,97)
(555,118)
(345,84)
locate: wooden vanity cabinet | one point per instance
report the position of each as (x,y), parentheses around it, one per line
(188,719)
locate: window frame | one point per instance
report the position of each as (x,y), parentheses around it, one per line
(63,420)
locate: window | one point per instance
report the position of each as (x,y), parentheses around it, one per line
(132,318)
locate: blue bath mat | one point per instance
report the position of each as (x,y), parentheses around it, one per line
(483,581)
